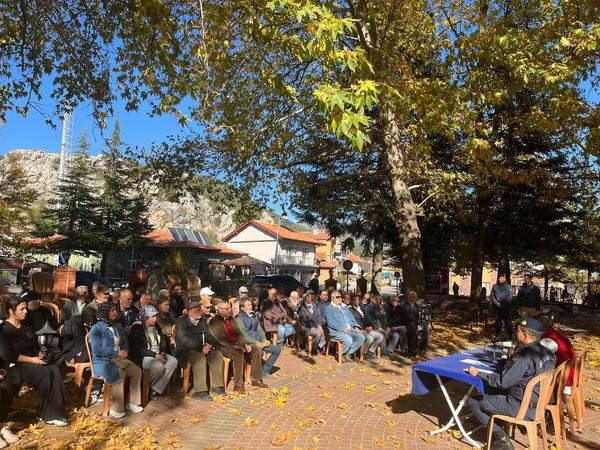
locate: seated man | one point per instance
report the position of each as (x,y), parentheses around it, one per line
(504,391)
(75,306)
(196,345)
(377,318)
(88,313)
(254,334)
(275,317)
(126,313)
(373,338)
(560,345)
(166,321)
(311,322)
(36,314)
(342,326)
(410,317)
(145,300)
(233,345)
(395,321)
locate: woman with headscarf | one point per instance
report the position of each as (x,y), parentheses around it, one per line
(110,349)
(20,351)
(149,350)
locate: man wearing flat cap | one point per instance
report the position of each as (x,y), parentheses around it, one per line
(195,344)
(505,390)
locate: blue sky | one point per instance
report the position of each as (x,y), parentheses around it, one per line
(137,128)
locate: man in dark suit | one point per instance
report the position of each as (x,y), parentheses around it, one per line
(75,306)
(196,345)
(234,346)
(310,321)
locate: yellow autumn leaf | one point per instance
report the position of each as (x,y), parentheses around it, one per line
(280,439)
(196,419)
(280,401)
(342,405)
(310,408)
(316,438)
(347,386)
(371,388)
(379,443)
(388,382)
(427,439)
(376,374)
(593,363)
(274,427)
(212,446)
(235,411)
(320,422)
(250,422)
(398,446)
(337,437)
(325,395)
(391,423)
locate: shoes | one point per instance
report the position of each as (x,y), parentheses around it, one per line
(134,408)
(202,396)
(117,414)
(369,355)
(8,436)
(219,391)
(501,441)
(239,389)
(259,383)
(58,422)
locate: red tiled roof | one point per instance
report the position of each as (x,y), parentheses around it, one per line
(41,241)
(319,235)
(355,259)
(328,264)
(284,233)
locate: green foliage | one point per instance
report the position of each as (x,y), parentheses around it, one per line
(15,202)
(178,262)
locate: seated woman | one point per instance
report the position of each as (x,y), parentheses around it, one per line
(19,347)
(109,348)
(6,396)
(149,347)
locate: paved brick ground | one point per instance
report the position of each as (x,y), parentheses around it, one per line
(314,403)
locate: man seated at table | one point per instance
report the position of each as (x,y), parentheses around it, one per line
(505,390)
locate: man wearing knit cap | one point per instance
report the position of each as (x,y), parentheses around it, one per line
(505,390)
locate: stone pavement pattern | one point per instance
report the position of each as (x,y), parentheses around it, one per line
(314,403)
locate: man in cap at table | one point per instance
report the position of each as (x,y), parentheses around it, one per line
(505,390)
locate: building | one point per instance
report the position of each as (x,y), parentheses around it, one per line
(289,252)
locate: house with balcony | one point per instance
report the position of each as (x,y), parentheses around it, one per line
(288,251)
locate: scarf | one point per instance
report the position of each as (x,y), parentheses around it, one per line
(102,313)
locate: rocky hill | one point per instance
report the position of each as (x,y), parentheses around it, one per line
(190,210)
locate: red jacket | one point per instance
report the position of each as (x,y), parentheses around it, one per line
(565,351)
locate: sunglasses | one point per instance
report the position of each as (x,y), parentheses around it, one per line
(337,296)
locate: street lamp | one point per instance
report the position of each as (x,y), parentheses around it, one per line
(284,217)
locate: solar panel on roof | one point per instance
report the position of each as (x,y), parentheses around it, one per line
(184,234)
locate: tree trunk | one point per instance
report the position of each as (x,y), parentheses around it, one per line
(377,264)
(477,270)
(404,208)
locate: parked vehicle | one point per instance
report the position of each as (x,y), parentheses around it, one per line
(286,283)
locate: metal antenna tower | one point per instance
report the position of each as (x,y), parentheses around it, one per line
(65,146)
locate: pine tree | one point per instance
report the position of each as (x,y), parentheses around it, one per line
(75,210)
(124,210)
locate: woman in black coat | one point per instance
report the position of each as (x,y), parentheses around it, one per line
(19,347)
(6,397)
(148,348)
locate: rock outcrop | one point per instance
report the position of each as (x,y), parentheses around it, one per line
(190,211)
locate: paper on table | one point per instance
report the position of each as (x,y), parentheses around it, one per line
(473,362)
(481,370)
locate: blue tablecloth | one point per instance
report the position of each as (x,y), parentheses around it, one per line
(449,367)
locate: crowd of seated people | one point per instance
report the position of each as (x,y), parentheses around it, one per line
(133,330)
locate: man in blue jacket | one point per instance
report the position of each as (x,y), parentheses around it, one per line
(501,297)
(343,326)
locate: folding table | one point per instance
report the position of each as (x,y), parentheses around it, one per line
(434,373)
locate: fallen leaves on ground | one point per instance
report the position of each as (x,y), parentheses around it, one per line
(281,438)
(250,422)
(197,419)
